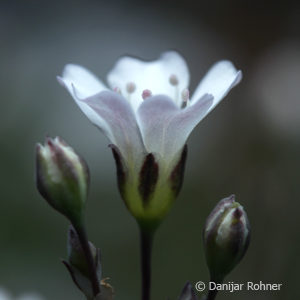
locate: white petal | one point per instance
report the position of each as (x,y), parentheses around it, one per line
(165,127)
(84,81)
(111,113)
(219,80)
(153,76)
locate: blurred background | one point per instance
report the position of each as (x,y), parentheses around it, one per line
(249,145)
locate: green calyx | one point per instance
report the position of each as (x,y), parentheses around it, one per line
(150,191)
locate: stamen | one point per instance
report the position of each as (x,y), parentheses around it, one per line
(146,94)
(130,87)
(185,96)
(117,90)
(173,80)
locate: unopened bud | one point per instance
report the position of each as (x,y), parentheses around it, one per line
(226,237)
(62,177)
(76,255)
(77,263)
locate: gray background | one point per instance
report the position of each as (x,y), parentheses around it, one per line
(249,145)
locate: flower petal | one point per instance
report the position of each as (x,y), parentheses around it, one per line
(84,81)
(113,115)
(165,128)
(219,80)
(153,76)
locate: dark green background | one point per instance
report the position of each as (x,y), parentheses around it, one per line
(249,145)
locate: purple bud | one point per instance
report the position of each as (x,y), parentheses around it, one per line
(77,264)
(76,255)
(62,177)
(226,237)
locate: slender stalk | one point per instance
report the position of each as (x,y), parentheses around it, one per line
(212,294)
(146,251)
(82,235)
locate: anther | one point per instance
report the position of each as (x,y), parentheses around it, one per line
(185,95)
(173,80)
(146,94)
(130,87)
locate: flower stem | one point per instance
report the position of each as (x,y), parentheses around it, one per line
(212,294)
(146,251)
(82,235)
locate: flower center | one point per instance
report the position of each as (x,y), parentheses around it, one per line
(182,101)
(130,89)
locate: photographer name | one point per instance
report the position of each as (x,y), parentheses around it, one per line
(248,286)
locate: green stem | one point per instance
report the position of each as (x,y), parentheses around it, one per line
(82,235)
(146,251)
(212,294)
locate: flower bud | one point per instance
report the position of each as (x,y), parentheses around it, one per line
(62,178)
(77,263)
(226,237)
(76,256)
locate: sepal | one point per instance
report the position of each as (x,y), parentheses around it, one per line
(149,187)
(77,266)
(177,174)
(188,293)
(148,177)
(120,166)
(84,285)
(82,282)
(76,256)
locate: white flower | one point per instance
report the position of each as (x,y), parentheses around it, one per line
(148,109)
